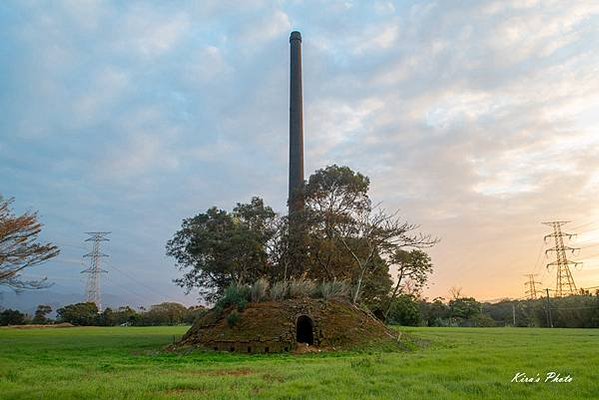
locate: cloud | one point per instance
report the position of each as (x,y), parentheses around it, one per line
(378,38)
(476,119)
(102,94)
(142,155)
(207,65)
(265,28)
(152,33)
(147,147)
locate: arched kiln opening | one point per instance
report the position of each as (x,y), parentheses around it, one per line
(305,330)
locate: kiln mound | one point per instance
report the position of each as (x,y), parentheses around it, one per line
(288,325)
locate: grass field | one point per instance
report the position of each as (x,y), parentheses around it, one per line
(448,363)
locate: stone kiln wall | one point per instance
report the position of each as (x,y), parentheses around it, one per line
(270,327)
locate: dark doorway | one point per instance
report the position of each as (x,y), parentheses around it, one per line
(305,331)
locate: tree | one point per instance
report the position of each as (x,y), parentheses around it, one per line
(12,317)
(455,292)
(338,236)
(376,233)
(333,196)
(575,311)
(218,248)
(464,308)
(120,316)
(435,313)
(19,248)
(79,314)
(164,314)
(40,314)
(404,310)
(193,313)
(413,267)
(347,237)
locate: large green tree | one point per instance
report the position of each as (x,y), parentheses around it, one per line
(349,238)
(79,314)
(218,248)
(463,309)
(12,317)
(333,196)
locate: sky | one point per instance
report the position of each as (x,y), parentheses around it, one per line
(476,119)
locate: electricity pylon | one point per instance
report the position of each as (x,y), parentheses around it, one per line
(531,286)
(564,285)
(92,291)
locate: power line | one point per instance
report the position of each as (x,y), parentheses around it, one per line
(591,255)
(127,289)
(538,257)
(578,227)
(67,261)
(139,282)
(70,245)
(92,291)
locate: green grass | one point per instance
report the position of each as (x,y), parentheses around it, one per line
(446,363)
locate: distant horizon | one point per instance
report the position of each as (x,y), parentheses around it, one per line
(25,302)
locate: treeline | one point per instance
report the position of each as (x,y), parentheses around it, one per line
(87,314)
(581,311)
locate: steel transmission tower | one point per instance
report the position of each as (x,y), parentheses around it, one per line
(92,290)
(531,286)
(564,285)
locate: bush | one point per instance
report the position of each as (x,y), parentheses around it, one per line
(259,290)
(404,311)
(234,295)
(483,320)
(233,319)
(278,291)
(331,290)
(301,287)
(194,313)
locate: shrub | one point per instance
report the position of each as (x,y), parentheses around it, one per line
(259,290)
(278,291)
(483,320)
(233,319)
(331,290)
(404,311)
(301,287)
(234,296)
